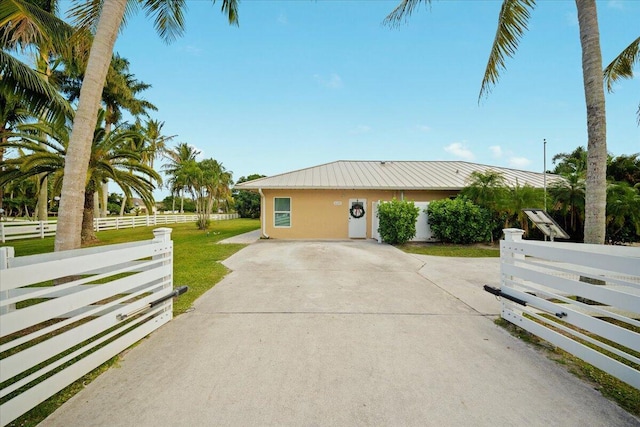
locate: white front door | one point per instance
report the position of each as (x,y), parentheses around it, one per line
(357,219)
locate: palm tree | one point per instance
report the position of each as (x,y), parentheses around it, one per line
(24,24)
(486,189)
(110,158)
(512,23)
(169,23)
(180,161)
(12,112)
(155,143)
(623,209)
(622,67)
(522,197)
(568,198)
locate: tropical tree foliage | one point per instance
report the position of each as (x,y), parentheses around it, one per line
(247,203)
(622,67)
(44,147)
(513,22)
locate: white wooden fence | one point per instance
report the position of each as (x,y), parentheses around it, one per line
(15,230)
(63,314)
(549,277)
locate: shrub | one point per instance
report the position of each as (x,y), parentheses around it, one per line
(397,223)
(459,221)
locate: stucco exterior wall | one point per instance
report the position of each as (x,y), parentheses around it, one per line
(324,214)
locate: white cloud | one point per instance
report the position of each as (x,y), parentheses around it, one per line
(519,162)
(458,149)
(360,129)
(332,82)
(192,50)
(282,19)
(496,150)
(615,4)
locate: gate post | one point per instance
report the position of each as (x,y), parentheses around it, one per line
(6,252)
(163,235)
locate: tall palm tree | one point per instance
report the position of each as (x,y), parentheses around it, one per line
(110,158)
(155,143)
(168,20)
(512,23)
(179,168)
(12,112)
(622,67)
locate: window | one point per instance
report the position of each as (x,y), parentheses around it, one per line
(282,212)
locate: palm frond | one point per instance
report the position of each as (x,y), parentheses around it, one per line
(512,23)
(230,8)
(622,66)
(85,14)
(23,23)
(404,9)
(38,96)
(168,17)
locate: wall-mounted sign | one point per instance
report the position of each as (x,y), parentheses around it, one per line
(337,203)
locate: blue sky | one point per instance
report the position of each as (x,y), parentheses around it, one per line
(301,83)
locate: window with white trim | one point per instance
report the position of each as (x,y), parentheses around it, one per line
(282,211)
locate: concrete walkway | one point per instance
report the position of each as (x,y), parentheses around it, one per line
(339,334)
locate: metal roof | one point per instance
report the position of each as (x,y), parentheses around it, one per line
(391,175)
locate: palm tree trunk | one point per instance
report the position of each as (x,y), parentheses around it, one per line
(42,199)
(105,199)
(87,234)
(123,204)
(596,182)
(68,235)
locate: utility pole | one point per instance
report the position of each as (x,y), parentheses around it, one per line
(544,172)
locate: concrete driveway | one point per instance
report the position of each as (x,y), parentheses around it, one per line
(339,333)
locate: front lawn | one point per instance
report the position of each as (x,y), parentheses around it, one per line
(451,250)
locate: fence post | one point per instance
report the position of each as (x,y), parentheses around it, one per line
(163,235)
(2,238)
(6,253)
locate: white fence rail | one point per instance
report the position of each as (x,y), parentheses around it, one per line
(598,321)
(15,230)
(62,314)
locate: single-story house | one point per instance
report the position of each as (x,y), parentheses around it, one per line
(338,200)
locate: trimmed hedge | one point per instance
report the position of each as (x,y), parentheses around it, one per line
(459,221)
(397,221)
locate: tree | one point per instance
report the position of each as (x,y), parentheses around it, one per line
(169,23)
(625,168)
(24,24)
(521,197)
(247,202)
(179,159)
(623,212)
(622,67)
(486,189)
(110,158)
(568,199)
(512,23)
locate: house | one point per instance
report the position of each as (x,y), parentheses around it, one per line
(338,200)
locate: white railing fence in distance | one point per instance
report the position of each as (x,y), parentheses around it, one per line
(63,314)
(15,230)
(597,321)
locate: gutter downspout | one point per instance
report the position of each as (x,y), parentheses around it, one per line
(263,213)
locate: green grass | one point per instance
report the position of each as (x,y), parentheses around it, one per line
(623,394)
(196,263)
(449,250)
